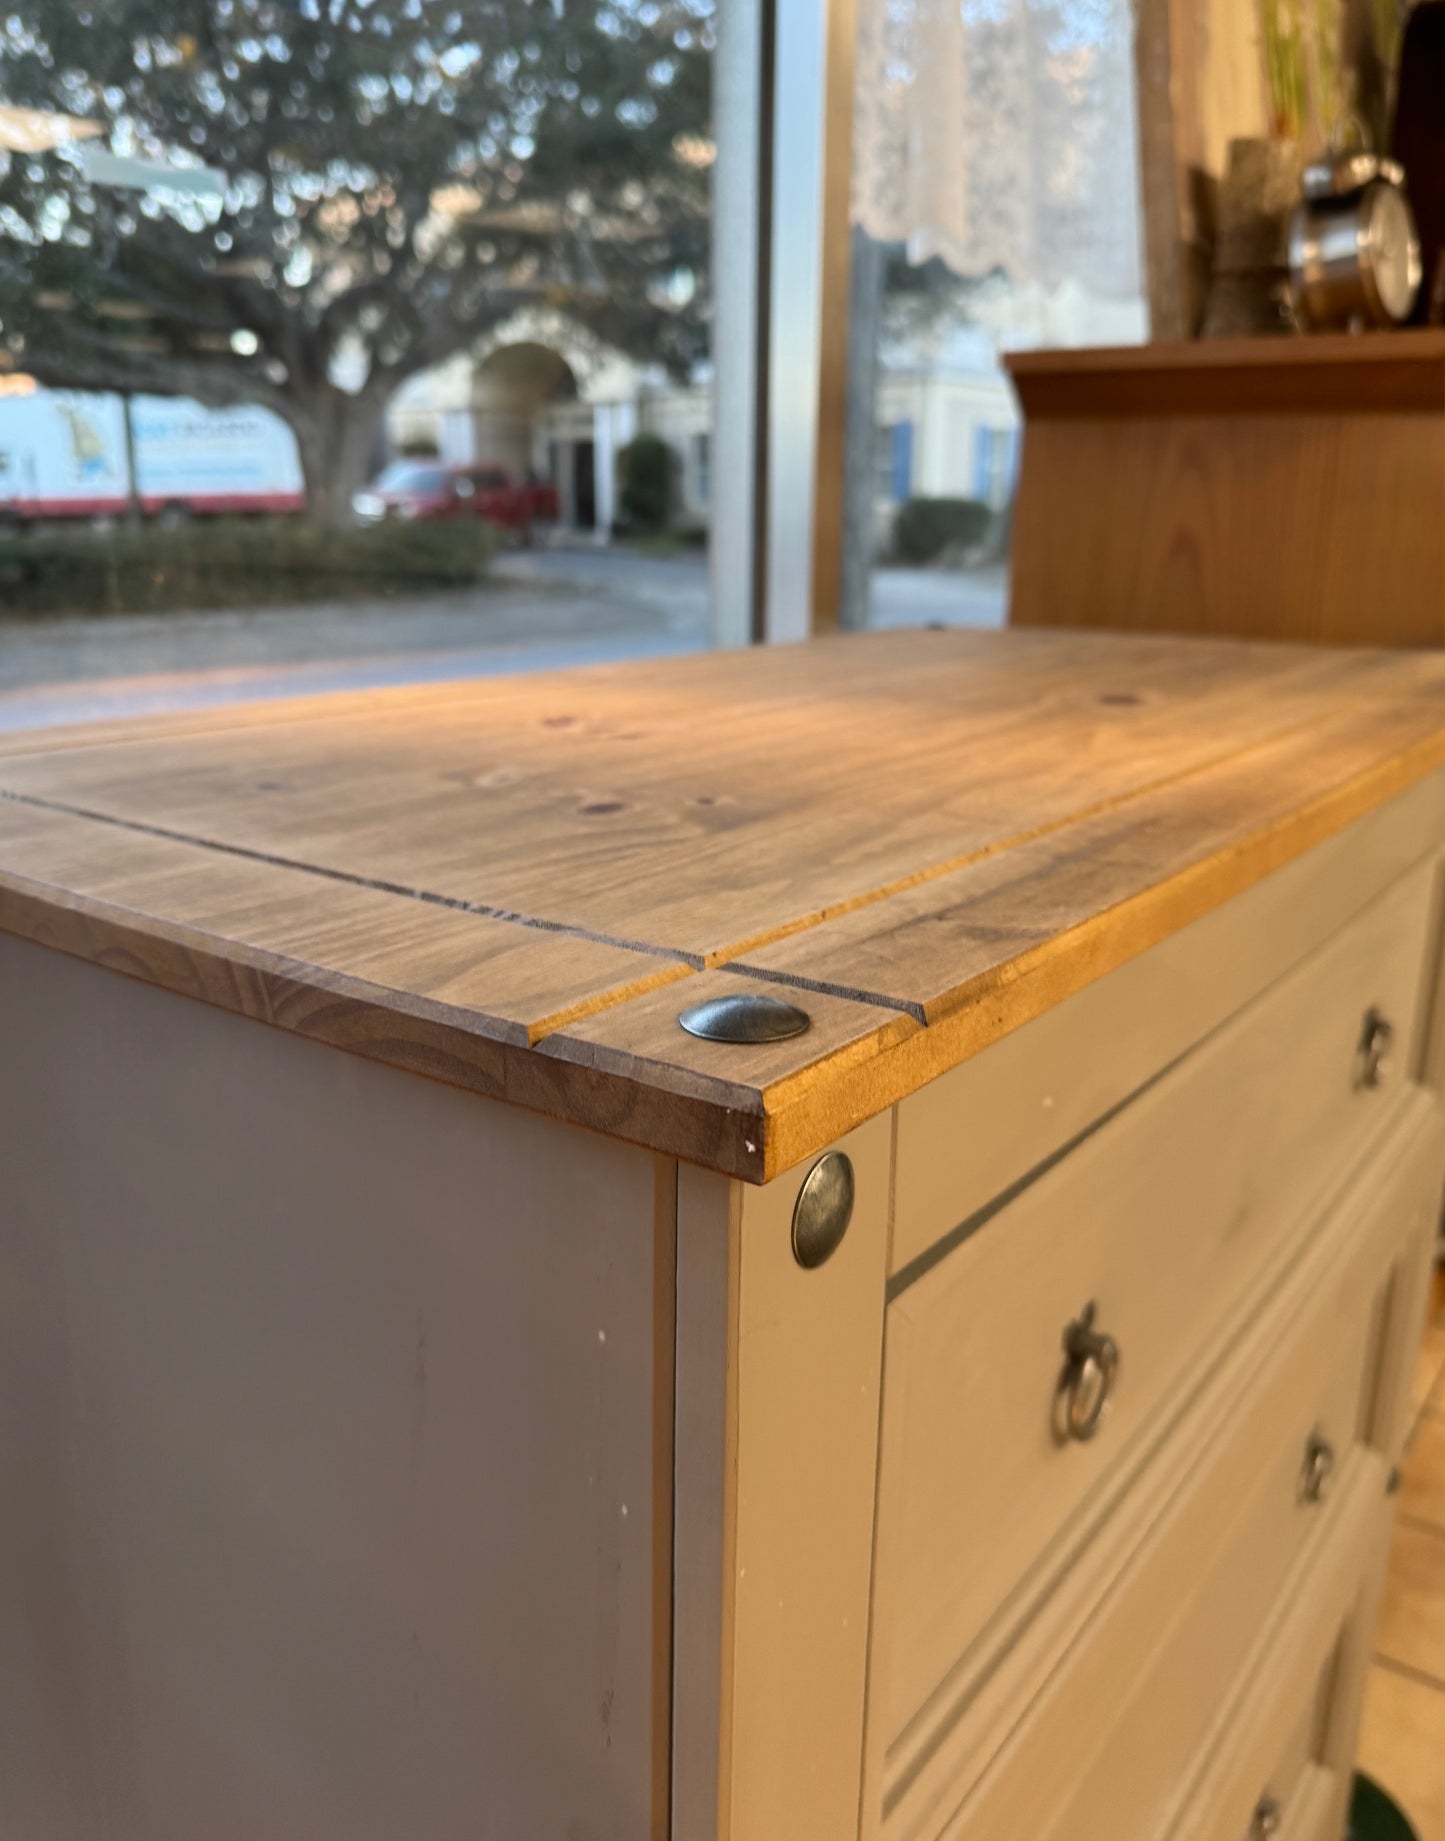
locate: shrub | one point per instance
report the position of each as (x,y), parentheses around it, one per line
(232,562)
(647,472)
(925,528)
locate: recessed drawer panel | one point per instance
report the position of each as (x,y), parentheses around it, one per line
(1274,1767)
(1194,1558)
(1144,1244)
(1141,1773)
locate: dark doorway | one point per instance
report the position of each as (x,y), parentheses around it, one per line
(584,485)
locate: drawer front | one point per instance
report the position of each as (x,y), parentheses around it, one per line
(1168,1219)
(1313,1810)
(1141,1774)
(1276,1765)
(1273,1457)
(1239,1802)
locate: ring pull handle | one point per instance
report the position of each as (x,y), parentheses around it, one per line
(1318,1468)
(1372,1057)
(1268,1819)
(1091,1366)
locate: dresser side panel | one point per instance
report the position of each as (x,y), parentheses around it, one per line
(329,1440)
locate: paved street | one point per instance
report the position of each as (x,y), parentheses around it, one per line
(543,609)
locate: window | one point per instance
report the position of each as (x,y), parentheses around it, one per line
(995,205)
(267,264)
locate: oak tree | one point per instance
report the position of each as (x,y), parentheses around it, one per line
(368,188)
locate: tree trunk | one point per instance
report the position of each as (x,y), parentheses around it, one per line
(335,441)
(860,441)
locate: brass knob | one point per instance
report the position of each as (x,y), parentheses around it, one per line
(1091,1366)
(1318,1467)
(1372,1058)
(1268,1819)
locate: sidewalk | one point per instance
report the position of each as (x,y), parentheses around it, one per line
(540,610)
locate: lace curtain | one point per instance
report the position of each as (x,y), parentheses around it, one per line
(1000,135)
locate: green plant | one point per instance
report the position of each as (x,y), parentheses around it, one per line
(232,562)
(647,472)
(924,528)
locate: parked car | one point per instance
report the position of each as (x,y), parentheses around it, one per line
(431,489)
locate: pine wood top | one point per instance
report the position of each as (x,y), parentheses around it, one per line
(923,838)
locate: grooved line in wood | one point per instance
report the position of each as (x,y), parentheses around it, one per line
(1014,840)
(919,1267)
(728,954)
(383,887)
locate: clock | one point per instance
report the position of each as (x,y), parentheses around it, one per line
(1354,253)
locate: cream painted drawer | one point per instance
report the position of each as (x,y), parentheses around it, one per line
(1271,1780)
(1169,1217)
(1313,1810)
(1092,1719)
(1141,1774)
(1276,1769)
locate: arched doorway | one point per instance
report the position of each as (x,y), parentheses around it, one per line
(524,395)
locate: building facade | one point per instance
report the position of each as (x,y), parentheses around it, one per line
(541,395)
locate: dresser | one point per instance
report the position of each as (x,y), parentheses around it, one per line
(956,1395)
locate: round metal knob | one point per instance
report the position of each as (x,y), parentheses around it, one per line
(743,1018)
(1377,1035)
(1268,1819)
(1091,1366)
(1317,1469)
(823,1210)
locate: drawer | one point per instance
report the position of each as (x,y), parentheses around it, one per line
(1102,1739)
(1264,1786)
(1313,1810)
(1277,1770)
(1168,1218)
(1141,1776)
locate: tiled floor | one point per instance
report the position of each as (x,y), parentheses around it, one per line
(1403,1741)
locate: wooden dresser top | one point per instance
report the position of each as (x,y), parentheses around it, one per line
(924,839)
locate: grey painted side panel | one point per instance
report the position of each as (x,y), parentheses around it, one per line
(326,1459)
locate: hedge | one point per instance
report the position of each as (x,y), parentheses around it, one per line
(925,528)
(231,562)
(647,473)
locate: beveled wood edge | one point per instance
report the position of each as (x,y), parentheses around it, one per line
(1310,374)
(736,1129)
(708,1123)
(804,1115)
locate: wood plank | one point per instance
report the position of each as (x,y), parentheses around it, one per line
(769,1115)
(1292,525)
(1323,374)
(704,813)
(90,888)
(930,836)
(1038,1089)
(958,939)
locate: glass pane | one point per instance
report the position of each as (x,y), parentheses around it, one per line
(996,207)
(380,325)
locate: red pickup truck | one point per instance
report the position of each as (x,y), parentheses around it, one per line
(431,489)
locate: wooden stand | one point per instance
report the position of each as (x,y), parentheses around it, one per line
(1283,488)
